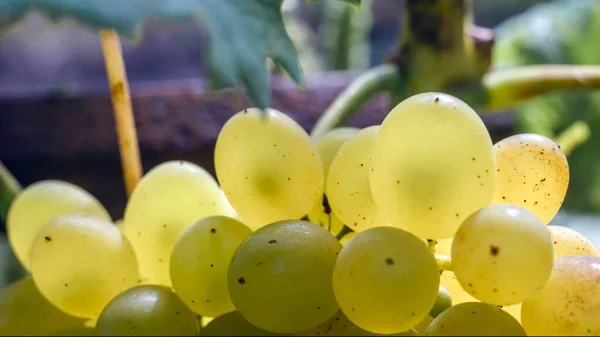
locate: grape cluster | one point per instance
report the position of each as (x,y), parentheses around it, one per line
(418,226)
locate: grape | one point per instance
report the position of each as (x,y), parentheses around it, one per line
(80,261)
(432,165)
(385,280)
(442,302)
(348,186)
(166,201)
(268,167)
(148,310)
(233,324)
(422,326)
(569,304)
(40,203)
(347,238)
(322,215)
(502,254)
(338,325)
(280,277)
(81,330)
(532,173)
(569,242)
(25,312)
(474,319)
(200,260)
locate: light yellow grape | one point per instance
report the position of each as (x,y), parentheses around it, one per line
(200,260)
(347,238)
(205,320)
(25,312)
(422,326)
(168,199)
(432,165)
(233,324)
(348,187)
(385,280)
(40,203)
(502,254)
(268,167)
(322,215)
(337,325)
(474,319)
(532,173)
(280,277)
(79,262)
(570,242)
(569,304)
(148,310)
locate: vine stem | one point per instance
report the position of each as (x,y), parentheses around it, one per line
(345,230)
(575,135)
(125,124)
(444,262)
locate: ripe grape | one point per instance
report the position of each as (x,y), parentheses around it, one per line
(385,280)
(329,144)
(167,200)
(442,302)
(532,173)
(502,254)
(570,242)
(280,277)
(322,215)
(348,187)
(347,238)
(569,304)
(474,319)
(233,324)
(268,167)
(338,325)
(148,310)
(432,165)
(40,203)
(79,262)
(200,260)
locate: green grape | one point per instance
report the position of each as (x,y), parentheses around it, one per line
(348,187)
(268,167)
(502,254)
(532,173)
(40,203)
(322,215)
(432,165)
(233,324)
(338,325)
(474,319)
(347,238)
(25,312)
(200,260)
(385,280)
(148,310)
(422,326)
(442,302)
(79,262)
(167,200)
(280,277)
(569,242)
(569,304)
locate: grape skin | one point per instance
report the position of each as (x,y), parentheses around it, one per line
(338,325)
(570,242)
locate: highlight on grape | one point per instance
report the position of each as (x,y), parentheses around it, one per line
(418,226)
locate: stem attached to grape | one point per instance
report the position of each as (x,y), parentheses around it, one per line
(432,244)
(575,135)
(444,262)
(128,143)
(345,230)
(9,189)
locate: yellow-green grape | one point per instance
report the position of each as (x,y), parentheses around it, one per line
(338,325)
(432,165)
(322,215)
(348,187)
(167,200)
(422,326)
(204,320)
(79,262)
(200,260)
(233,324)
(569,304)
(442,302)
(40,203)
(514,310)
(502,254)
(148,310)
(280,277)
(385,280)
(532,173)
(347,238)
(268,167)
(474,319)
(25,312)
(570,242)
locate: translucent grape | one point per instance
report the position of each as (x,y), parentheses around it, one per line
(570,242)
(268,167)
(148,310)
(233,324)
(322,215)
(385,280)
(348,187)
(280,277)
(40,203)
(79,262)
(532,173)
(25,312)
(338,325)
(474,319)
(569,304)
(168,199)
(200,260)
(502,254)
(432,165)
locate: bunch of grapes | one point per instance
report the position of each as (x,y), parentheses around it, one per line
(418,226)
